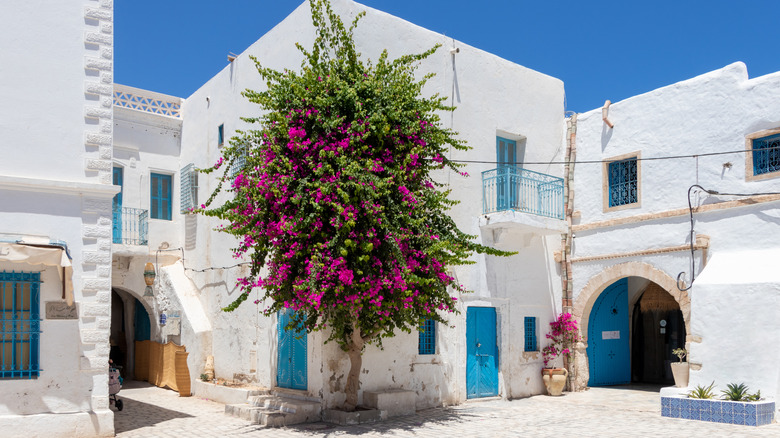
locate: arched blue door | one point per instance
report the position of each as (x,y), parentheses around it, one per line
(608,352)
(291,364)
(481,352)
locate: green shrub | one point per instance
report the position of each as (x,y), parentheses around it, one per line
(736,392)
(702,392)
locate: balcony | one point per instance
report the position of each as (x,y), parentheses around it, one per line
(523,197)
(131,226)
(146,101)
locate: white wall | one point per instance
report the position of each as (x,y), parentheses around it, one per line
(55,184)
(709,113)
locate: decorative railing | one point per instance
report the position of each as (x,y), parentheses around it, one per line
(131,226)
(146,101)
(513,188)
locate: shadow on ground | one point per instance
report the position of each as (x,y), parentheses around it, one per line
(392,426)
(152,414)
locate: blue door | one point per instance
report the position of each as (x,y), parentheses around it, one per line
(291,366)
(608,352)
(118,206)
(143,328)
(506,183)
(481,352)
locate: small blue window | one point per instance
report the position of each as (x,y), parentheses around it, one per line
(160,196)
(623,182)
(427,344)
(766,154)
(20,325)
(530,334)
(221,135)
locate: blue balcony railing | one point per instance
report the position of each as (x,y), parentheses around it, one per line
(513,188)
(131,226)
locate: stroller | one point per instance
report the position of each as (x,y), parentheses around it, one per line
(114,385)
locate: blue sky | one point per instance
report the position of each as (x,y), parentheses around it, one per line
(601,49)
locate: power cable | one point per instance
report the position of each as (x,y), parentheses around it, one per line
(692,232)
(667,157)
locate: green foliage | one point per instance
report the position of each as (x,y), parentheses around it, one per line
(702,392)
(735,392)
(204,377)
(336,206)
(680,353)
(753,397)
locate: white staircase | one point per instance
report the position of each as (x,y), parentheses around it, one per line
(276,408)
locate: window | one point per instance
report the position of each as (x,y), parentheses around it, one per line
(763,157)
(221,135)
(530,334)
(622,179)
(189,188)
(160,196)
(239,162)
(20,324)
(427,343)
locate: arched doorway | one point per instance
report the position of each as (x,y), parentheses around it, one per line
(130,322)
(658,328)
(640,276)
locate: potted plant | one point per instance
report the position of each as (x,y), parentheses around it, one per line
(563,334)
(680,369)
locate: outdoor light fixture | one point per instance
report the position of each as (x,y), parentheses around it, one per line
(149,276)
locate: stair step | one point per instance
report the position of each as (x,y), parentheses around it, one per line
(274,411)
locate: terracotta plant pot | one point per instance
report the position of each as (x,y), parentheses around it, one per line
(554,379)
(680,373)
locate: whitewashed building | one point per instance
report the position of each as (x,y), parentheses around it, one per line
(56,79)
(90,195)
(632,233)
(503,123)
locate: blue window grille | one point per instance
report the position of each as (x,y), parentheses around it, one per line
(766,154)
(189,188)
(221,135)
(160,196)
(20,325)
(623,182)
(530,334)
(427,343)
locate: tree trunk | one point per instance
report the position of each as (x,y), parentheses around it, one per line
(355,353)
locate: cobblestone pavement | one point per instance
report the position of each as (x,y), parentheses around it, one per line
(599,412)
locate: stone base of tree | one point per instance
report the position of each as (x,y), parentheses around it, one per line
(358,416)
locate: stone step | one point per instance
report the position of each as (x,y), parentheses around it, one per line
(273,411)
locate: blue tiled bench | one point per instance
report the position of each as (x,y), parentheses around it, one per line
(719,411)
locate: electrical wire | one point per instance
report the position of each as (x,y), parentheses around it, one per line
(667,157)
(692,232)
(212,268)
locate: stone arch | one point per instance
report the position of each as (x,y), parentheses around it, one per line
(593,288)
(599,282)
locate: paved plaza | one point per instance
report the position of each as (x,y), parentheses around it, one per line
(599,412)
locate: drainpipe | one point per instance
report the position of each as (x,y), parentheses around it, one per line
(566,239)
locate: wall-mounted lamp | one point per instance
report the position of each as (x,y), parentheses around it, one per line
(149,276)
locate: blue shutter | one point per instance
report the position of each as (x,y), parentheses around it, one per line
(427,337)
(160,186)
(221,135)
(530,334)
(117,205)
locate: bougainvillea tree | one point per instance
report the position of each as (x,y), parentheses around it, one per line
(333,199)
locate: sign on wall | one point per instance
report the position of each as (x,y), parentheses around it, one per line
(615,334)
(61,310)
